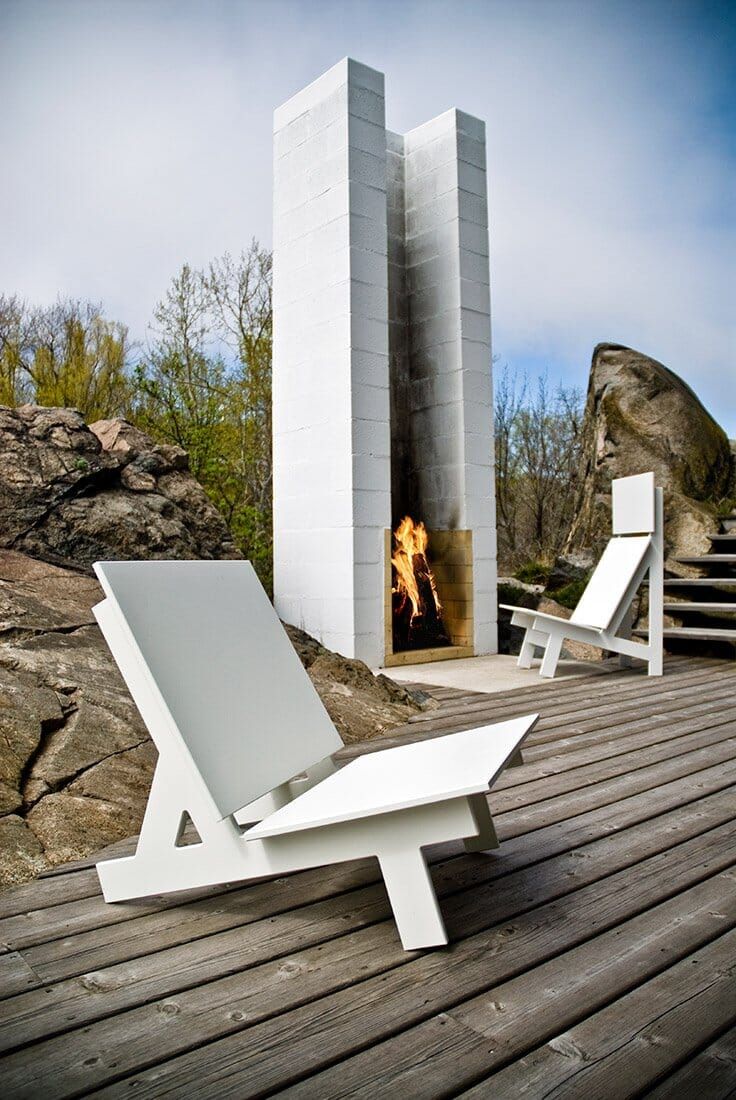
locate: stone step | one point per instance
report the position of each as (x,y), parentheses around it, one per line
(675,607)
(725,536)
(709,559)
(694,633)
(729,523)
(709,582)
(701,633)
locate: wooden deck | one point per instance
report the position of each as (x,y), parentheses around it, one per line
(592,956)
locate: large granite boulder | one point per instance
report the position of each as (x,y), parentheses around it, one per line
(640,416)
(69,491)
(75,758)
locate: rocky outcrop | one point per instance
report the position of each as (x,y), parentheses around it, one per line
(360,704)
(75,758)
(69,491)
(640,416)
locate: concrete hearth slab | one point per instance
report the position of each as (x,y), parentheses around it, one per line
(498,672)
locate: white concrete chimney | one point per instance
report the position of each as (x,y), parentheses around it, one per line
(382,401)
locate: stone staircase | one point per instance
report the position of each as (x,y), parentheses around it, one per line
(704,607)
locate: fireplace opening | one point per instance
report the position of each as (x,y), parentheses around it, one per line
(428,594)
(416,609)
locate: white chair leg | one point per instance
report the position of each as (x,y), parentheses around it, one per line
(655,664)
(656,593)
(624,631)
(551,656)
(413,900)
(526,653)
(486,837)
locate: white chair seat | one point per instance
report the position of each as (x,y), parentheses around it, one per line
(530,614)
(418,774)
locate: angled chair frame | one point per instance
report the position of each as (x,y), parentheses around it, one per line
(408,810)
(638,534)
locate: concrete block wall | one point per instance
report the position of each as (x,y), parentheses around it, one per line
(382,383)
(448,311)
(331,443)
(402,494)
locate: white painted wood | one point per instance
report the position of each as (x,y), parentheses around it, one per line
(602,616)
(219,658)
(656,590)
(624,631)
(456,766)
(389,805)
(526,653)
(610,581)
(487,837)
(551,656)
(413,900)
(633,505)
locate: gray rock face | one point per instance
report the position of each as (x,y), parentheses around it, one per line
(75,758)
(640,416)
(360,704)
(68,491)
(567,569)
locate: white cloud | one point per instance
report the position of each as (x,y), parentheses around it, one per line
(137,136)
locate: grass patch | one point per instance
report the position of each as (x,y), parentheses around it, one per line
(569,595)
(533,572)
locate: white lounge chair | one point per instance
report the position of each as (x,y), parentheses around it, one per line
(243,737)
(603,614)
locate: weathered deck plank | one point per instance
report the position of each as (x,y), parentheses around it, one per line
(70,1003)
(631,1044)
(495,1028)
(106,946)
(710,1074)
(34,926)
(256,1059)
(616,869)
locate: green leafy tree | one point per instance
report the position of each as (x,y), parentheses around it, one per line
(204,381)
(205,384)
(15,384)
(67,354)
(181,388)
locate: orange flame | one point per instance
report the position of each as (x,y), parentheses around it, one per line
(410,541)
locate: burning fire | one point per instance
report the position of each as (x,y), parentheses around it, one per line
(410,544)
(416,603)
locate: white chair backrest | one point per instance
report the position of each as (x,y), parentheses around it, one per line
(633,505)
(226,670)
(611,581)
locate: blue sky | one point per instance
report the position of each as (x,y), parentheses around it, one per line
(137,136)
